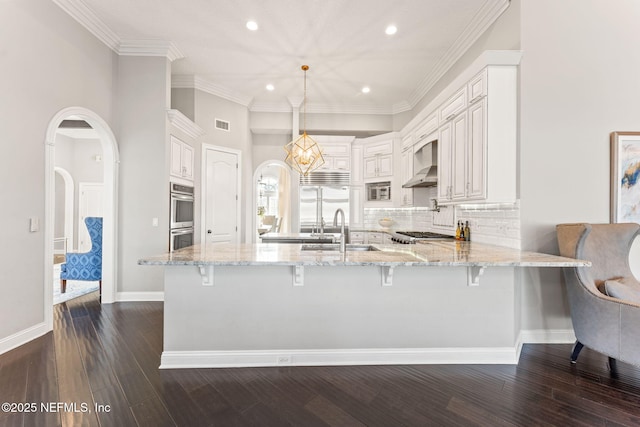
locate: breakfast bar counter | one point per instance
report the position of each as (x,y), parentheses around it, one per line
(305,304)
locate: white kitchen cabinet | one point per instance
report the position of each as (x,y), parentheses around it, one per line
(356,206)
(356,237)
(182,159)
(357,176)
(379,165)
(454,105)
(477,146)
(406,173)
(337,156)
(375,237)
(452,159)
(332,163)
(426,128)
(378,159)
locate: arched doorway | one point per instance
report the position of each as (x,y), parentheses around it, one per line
(68,205)
(110,164)
(271,198)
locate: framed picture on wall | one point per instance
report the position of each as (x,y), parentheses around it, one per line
(625,177)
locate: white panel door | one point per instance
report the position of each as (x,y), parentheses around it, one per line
(221,198)
(90,203)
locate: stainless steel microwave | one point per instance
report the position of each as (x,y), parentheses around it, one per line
(378,191)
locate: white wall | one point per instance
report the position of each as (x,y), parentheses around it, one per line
(76,156)
(579,82)
(49,63)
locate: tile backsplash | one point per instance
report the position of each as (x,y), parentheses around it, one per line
(497,224)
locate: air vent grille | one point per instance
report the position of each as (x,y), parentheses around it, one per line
(223,125)
(326,178)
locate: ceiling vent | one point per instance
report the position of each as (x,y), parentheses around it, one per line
(223,125)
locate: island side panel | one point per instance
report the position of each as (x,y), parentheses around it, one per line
(257,308)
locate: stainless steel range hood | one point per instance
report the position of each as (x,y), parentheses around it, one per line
(426,157)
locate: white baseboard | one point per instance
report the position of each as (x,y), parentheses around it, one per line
(139,296)
(547,336)
(22,337)
(393,356)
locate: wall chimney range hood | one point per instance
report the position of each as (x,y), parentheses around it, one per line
(425,158)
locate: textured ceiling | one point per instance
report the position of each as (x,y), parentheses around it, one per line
(343,42)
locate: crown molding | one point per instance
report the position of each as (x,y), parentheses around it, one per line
(479,24)
(186,125)
(182,81)
(88,19)
(149,48)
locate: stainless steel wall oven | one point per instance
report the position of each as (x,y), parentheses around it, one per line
(182,215)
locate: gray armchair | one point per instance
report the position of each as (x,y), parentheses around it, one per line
(603,323)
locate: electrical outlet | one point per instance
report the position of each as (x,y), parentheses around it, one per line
(284,360)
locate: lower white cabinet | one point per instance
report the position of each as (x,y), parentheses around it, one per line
(356,237)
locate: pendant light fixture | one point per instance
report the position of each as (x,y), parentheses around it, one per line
(303,153)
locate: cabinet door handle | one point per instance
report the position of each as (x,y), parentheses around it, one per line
(475,98)
(449,117)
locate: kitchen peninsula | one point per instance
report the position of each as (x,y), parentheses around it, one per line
(297,304)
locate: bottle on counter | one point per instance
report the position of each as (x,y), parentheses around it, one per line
(462,231)
(467,232)
(458,230)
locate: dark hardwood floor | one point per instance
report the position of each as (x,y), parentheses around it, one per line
(109,355)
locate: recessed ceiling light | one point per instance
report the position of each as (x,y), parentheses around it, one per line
(366,89)
(391,30)
(270,87)
(252,25)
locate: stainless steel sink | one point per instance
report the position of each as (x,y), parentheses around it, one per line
(336,248)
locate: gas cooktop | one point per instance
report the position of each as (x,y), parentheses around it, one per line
(410,237)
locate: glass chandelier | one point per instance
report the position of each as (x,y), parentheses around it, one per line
(303,153)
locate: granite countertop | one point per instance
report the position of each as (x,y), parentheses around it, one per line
(305,236)
(437,253)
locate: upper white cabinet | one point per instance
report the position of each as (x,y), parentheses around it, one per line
(474,119)
(182,154)
(337,156)
(182,159)
(477,143)
(453,106)
(357,175)
(378,159)
(406,173)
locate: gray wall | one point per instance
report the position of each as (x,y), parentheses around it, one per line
(209,107)
(49,63)
(142,131)
(504,34)
(579,82)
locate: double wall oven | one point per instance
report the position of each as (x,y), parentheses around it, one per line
(181,219)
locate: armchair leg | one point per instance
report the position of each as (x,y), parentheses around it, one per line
(576,351)
(63,285)
(100,291)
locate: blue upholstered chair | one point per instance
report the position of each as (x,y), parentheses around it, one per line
(88,265)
